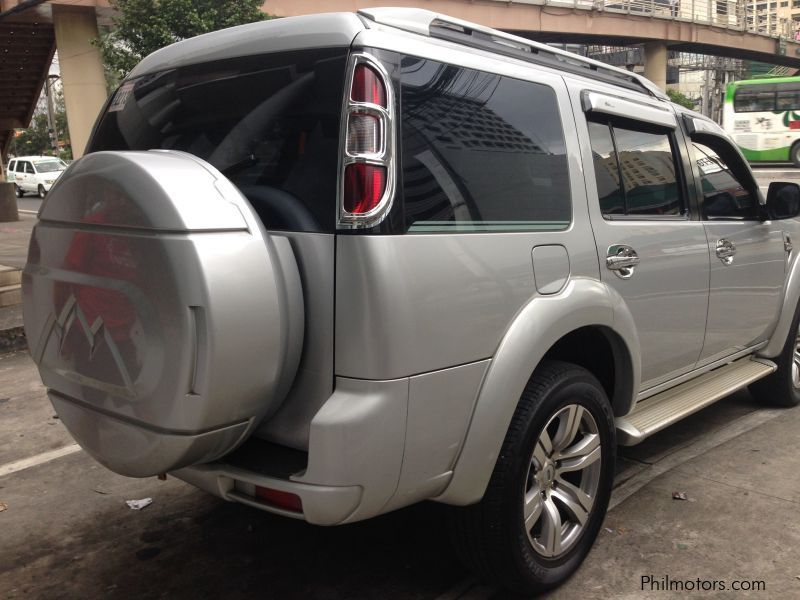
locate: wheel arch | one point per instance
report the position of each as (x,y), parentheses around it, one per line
(546,327)
(791,298)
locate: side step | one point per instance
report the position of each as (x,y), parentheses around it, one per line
(664,409)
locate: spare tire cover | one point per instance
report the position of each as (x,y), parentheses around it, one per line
(164,320)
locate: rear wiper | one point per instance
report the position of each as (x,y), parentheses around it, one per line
(248,161)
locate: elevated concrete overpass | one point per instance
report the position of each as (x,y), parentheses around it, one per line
(718,27)
(31,30)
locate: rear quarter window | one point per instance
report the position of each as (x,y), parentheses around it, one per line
(481,152)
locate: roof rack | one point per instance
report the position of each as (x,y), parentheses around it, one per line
(435,25)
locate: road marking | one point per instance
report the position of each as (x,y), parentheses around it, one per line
(28,212)
(33,461)
(469,589)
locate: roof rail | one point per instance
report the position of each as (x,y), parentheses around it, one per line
(435,25)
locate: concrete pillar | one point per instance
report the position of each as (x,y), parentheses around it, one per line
(655,63)
(8,203)
(82,75)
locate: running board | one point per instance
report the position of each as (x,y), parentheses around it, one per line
(664,409)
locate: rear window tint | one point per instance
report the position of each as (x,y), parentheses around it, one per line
(481,152)
(270,123)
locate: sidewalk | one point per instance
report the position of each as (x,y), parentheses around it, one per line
(14,239)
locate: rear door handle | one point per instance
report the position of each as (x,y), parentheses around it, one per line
(726,250)
(622,259)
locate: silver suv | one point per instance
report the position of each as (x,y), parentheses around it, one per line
(330,266)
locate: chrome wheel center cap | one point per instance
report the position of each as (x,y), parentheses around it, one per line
(548,474)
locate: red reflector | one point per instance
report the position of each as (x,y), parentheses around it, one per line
(368,86)
(363,187)
(794,124)
(278,499)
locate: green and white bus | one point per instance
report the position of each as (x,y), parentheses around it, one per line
(763,118)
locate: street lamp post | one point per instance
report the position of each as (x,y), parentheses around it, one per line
(52,131)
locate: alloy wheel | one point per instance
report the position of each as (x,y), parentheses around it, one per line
(563,480)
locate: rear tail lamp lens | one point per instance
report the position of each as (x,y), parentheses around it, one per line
(363,134)
(279,499)
(363,187)
(368,86)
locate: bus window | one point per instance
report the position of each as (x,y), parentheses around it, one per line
(753,100)
(788,96)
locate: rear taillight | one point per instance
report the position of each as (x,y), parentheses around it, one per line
(368,145)
(363,134)
(368,86)
(364,186)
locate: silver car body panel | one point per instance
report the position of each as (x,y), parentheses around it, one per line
(417,303)
(790,296)
(536,327)
(329,30)
(668,291)
(754,278)
(313,385)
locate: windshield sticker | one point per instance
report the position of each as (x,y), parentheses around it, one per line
(121,97)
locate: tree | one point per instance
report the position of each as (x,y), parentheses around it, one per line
(679,98)
(35,139)
(144,26)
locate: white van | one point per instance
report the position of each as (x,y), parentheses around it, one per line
(34,174)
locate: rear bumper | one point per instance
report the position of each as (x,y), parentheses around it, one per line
(354,459)
(322,505)
(374,446)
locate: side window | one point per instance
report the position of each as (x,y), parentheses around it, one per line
(754,99)
(788,96)
(12,166)
(29,168)
(635,170)
(724,196)
(481,152)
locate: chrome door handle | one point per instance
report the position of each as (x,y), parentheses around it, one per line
(622,260)
(726,250)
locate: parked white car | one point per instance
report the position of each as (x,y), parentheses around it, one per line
(34,174)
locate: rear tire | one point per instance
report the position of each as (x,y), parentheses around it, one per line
(782,388)
(794,154)
(18,191)
(550,488)
(42,192)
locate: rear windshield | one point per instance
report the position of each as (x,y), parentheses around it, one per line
(270,123)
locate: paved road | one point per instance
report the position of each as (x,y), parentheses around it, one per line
(67,532)
(775,172)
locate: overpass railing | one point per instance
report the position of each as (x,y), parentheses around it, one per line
(739,15)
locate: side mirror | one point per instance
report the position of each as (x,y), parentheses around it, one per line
(783,200)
